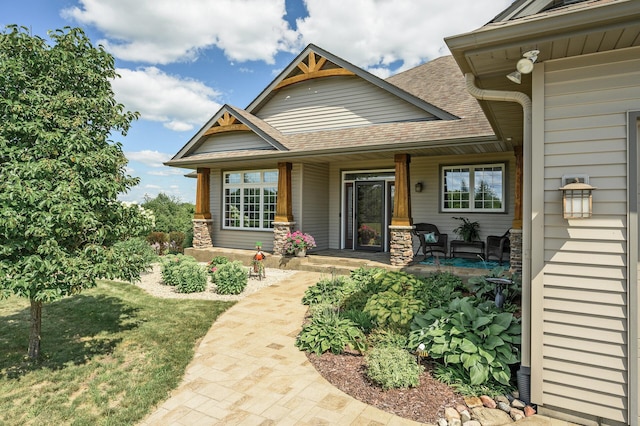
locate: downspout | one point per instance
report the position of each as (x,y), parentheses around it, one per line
(525,102)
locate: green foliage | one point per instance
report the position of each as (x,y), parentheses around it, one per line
(359,318)
(213,265)
(176,242)
(367,283)
(329,290)
(439,289)
(170,266)
(395,306)
(231,278)
(472,335)
(392,367)
(456,377)
(171,214)
(468,230)
(327,331)
(191,277)
(159,242)
(132,257)
(60,174)
(380,337)
(486,290)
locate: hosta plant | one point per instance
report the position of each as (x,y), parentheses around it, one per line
(329,290)
(327,331)
(471,335)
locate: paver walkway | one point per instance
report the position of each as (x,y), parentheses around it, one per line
(247,371)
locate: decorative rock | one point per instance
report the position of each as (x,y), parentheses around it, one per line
(460,408)
(491,417)
(515,394)
(516,414)
(529,411)
(516,403)
(455,422)
(473,401)
(502,398)
(488,401)
(465,416)
(450,413)
(504,407)
(472,423)
(442,422)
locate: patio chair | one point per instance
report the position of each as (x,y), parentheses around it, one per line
(431,239)
(498,246)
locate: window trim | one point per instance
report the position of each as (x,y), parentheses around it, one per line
(242,186)
(472,173)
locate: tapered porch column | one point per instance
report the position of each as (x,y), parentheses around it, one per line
(283,222)
(202,223)
(401,223)
(515,235)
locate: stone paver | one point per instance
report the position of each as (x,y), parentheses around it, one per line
(247,371)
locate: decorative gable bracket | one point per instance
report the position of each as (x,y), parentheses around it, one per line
(313,69)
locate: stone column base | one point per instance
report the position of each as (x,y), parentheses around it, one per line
(401,245)
(202,233)
(515,259)
(280,231)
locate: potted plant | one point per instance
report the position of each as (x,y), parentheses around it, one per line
(298,243)
(467,230)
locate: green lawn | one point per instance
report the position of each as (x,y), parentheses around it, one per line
(109,355)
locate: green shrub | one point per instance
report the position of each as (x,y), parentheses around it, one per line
(384,338)
(362,319)
(439,289)
(170,265)
(327,331)
(375,282)
(191,278)
(392,367)
(176,242)
(215,263)
(132,256)
(329,290)
(473,335)
(231,278)
(159,242)
(393,310)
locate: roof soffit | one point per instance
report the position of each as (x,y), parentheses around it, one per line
(314,62)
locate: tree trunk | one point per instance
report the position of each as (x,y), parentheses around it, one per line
(36,327)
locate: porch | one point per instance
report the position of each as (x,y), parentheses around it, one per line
(339,262)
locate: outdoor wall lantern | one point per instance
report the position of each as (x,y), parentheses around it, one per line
(418,186)
(577,199)
(524,66)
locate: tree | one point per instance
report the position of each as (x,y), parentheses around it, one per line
(170,213)
(60,174)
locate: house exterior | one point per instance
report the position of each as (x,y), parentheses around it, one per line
(336,152)
(576,115)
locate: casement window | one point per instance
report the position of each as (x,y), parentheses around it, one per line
(473,188)
(250,199)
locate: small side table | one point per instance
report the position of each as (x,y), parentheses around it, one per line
(467,249)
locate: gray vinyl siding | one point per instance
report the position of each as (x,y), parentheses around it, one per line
(426,204)
(335,103)
(314,217)
(584,333)
(233,141)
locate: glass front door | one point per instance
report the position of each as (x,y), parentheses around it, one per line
(369,215)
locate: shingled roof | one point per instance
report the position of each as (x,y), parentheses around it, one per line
(438,82)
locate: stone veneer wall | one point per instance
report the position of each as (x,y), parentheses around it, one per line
(280,231)
(401,245)
(202,233)
(515,236)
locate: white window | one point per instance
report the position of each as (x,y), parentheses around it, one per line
(474,188)
(250,199)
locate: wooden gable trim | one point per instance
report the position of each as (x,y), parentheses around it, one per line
(313,70)
(227,123)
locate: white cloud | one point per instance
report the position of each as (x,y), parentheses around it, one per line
(165,31)
(179,103)
(148,157)
(151,186)
(168,172)
(376,33)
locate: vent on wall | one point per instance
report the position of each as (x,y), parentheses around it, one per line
(577,178)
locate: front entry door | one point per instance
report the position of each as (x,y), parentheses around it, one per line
(370,215)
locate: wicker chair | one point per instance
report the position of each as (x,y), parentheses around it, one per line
(431,239)
(498,246)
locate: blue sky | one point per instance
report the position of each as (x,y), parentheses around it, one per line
(181,60)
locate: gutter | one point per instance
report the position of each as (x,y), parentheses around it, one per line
(525,102)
